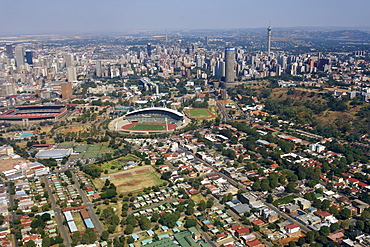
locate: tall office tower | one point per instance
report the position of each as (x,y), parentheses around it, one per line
(7,89)
(269,40)
(19,56)
(229,64)
(149,49)
(9,50)
(67,91)
(207,41)
(98,68)
(68,59)
(71,74)
(29,57)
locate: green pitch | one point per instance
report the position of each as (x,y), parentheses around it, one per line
(201,113)
(148,127)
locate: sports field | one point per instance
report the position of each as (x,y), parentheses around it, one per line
(200,113)
(133,180)
(141,126)
(148,126)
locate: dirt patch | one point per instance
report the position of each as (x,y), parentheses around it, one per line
(130,183)
(142,171)
(9,164)
(122,175)
(295,237)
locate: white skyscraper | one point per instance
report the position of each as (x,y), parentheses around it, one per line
(19,56)
(71,74)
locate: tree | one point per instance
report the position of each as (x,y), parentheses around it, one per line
(104,235)
(46,241)
(270,199)
(190,223)
(76,237)
(345,214)
(30,243)
(189,210)
(292,244)
(89,237)
(325,231)
(155,217)
(325,204)
(210,202)
(131,220)
(169,219)
(334,227)
(256,186)
(144,223)
(310,236)
(334,211)
(129,229)
(360,224)
(290,188)
(202,205)
(301,241)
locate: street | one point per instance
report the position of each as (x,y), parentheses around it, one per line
(58,213)
(89,206)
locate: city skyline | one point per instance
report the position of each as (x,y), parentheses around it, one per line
(40,16)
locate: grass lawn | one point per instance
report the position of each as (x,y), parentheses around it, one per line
(117,211)
(119,163)
(135,182)
(199,113)
(198,198)
(79,222)
(148,127)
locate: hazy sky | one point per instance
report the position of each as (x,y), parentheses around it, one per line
(53,16)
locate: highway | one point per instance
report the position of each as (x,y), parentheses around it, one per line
(58,213)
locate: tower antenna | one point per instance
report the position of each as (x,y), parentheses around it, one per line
(269,39)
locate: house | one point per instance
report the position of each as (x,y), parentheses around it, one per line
(292,228)
(323,214)
(360,205)
(336,237)
(292,209)
(254,243)
(241,232)
(302,203)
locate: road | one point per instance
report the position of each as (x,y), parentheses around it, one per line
(225,116)
(89,205)
(58,213)
(13,215)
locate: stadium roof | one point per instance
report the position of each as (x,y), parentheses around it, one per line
(156,109)
(53,153)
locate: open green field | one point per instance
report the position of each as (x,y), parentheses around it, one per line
(135,181)
(148,127)
(89,151)
(115,165)
(200,113)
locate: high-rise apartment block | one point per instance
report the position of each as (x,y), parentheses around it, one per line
(67,91)
(229,64)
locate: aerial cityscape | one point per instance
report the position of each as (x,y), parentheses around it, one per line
(160,128)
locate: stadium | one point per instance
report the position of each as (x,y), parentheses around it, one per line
(34,113)
(152,119)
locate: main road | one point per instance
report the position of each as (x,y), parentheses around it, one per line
(57,212)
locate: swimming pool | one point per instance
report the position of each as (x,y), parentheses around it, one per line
(24,135)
